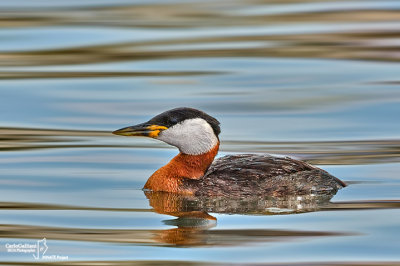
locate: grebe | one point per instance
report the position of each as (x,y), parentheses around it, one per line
(193,171)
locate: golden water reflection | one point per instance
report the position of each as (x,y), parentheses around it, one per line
(193,221)
(317,152)
(338,33)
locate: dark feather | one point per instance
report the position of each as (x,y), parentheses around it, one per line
(250,174)
(172,117)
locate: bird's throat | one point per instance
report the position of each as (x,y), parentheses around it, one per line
(170,177)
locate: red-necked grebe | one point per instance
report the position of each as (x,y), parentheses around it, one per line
(194,170)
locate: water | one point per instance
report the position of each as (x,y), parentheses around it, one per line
(315,80)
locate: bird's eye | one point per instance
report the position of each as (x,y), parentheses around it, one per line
(173,120)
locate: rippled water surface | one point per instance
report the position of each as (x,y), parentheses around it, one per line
(317,80)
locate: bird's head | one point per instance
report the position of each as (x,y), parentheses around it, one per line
(190,130)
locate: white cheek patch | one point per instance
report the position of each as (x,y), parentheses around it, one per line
(192,136)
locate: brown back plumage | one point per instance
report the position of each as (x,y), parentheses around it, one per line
(250,174)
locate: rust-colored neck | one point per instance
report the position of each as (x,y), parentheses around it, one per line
(169,177)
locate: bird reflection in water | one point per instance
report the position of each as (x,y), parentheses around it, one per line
(193,218)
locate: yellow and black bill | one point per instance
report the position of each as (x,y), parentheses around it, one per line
(144,129)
